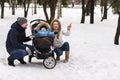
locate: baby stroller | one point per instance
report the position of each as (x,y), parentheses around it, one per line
(43,46)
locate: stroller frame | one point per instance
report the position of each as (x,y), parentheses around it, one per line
(49,61)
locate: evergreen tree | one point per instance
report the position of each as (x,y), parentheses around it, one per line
(115,6)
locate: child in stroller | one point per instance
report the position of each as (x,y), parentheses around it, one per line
(42,42)
(44,32)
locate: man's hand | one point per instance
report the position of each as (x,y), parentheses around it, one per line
(31,36)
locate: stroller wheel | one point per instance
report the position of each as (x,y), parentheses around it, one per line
(49,62)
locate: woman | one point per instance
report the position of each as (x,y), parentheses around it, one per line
(58,43)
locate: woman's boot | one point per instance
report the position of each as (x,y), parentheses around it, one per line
(66,56)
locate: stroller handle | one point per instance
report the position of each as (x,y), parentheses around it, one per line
(39,20)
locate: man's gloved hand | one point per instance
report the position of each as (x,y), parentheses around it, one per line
(31,36)
(28,51)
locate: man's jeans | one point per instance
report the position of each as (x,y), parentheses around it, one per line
(20,53)
(17,54)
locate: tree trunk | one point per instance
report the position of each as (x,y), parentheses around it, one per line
(52,9)
(87,8)
(2,9)
(60,10)
(59,13)
(83,12)
(92,12)
(35,6)
(116,39)
(73,3)
(101,5)
(13,7)
(105,10)
(52,5)
(24,4)
(13,10)
(45,10)
(26,8)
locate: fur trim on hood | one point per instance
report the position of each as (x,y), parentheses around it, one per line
(42,24)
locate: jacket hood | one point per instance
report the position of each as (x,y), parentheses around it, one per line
(17,26)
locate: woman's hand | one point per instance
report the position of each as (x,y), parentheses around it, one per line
(69,26)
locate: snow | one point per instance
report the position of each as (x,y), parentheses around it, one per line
(93,53)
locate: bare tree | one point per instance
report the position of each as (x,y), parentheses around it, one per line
(83,12)
(92,11)
(116,40)
(52,6)
(59,9)
(13,2)
(87,7)
(26,4)
(2,8)
(35,6)
(104,2)
(73,3)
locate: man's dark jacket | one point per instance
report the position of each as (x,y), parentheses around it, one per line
(15,38)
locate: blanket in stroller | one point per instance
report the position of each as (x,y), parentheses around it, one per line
(43,37)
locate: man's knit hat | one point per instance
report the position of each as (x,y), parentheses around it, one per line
(21,20)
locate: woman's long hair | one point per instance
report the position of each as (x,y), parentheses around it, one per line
(59,30)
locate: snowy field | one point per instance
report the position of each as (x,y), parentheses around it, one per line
(93,54)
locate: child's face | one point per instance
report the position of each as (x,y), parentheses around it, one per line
(43,28)
(55,26)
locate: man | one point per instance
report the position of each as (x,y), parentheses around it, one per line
(15,42)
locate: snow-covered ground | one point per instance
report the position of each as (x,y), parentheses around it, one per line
(93,54)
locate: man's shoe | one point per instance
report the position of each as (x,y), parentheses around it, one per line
(22,61)
(11,62)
